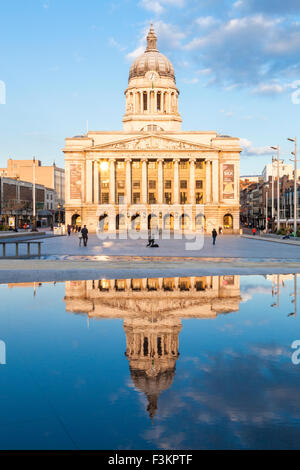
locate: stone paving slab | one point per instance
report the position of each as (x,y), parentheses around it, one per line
(227,246)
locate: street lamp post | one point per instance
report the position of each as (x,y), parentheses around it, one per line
(295,184)
(59,207)
(267,195)
(33,199)
(278,186)
(272,190)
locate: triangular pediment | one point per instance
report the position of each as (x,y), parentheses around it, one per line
(153,142)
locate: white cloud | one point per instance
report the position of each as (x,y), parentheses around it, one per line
(250,150)
(152,5)
(135,54)
(268,89)
(226,113)
(191,81)
(206,21)
(159,6)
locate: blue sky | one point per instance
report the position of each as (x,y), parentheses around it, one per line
(64,62)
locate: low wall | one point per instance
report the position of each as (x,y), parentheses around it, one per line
(21,234)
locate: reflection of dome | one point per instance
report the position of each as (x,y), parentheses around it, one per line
(152,385)
(152,60)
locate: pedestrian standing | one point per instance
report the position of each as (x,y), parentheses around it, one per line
(214,236)
(84,233)
(79,237)
(253,231)
(69,229)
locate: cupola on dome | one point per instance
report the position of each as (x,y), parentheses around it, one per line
(152,60)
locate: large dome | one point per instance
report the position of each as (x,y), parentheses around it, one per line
(152,60)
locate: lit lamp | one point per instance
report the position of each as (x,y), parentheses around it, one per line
(104,166)
(59,207)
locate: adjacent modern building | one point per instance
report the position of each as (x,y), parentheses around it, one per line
(152,171)
(51,176)
(16,202)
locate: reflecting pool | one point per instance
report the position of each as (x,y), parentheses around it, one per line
(164,363)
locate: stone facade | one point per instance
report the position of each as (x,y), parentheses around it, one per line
(152,172)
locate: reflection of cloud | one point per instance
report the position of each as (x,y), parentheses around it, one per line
(239,401)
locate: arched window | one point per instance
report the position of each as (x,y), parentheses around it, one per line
(228,221)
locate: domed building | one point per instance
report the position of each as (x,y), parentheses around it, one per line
(152,174)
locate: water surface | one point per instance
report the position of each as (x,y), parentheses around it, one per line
(174,363)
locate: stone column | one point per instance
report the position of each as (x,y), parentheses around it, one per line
(176,181)
(112,183)
(67,183)
(236,183)
(208,181)
(89,181)
(160,181)
(215,181)
(96,182)
(161,101)
(144,182)
(128,180)
(192,181)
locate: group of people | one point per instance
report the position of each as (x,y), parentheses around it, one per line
(82,234)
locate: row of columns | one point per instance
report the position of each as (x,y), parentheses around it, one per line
(93,175)
(168,101)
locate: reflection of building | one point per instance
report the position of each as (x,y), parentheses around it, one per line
(152,163)
(152,310)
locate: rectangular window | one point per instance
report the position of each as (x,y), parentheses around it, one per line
(168,184)
(121,184)
(168,198)
(136,198)
(152,184)
(183,198)
(183,165)
(183,184)
(105,198)
(136,184)
(199,165)
(199,184)
(152,199)
(168,165)
(135,164)
(105,184)
(152,165)
(120,165)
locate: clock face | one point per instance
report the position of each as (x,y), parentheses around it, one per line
(152,76)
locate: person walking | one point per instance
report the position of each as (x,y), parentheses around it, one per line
(69,230)
(84,233)
(254,231)
(214,236)
(79,237)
